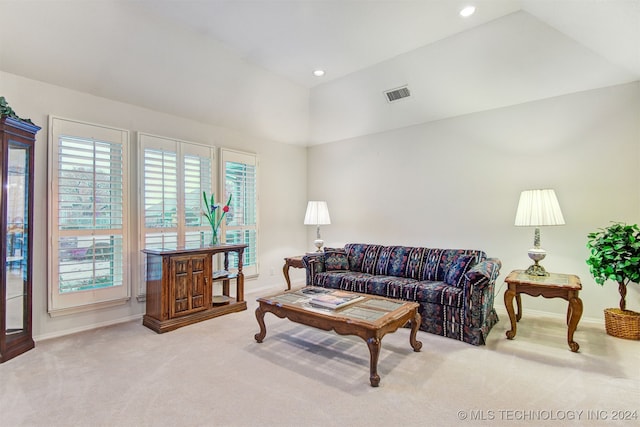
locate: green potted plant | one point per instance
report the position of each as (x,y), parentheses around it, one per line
(615,255)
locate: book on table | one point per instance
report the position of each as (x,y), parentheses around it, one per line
(334,300)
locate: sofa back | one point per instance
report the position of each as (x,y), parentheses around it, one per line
(412,262)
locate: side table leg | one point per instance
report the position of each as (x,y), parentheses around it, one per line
(508,302)
(415,325)
(285,272)
(575,308)
(374,351)
(519,305)
(263,329)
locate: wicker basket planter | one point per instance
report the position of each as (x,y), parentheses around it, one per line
(622,323)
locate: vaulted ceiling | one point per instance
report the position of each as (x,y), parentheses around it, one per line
(248,65)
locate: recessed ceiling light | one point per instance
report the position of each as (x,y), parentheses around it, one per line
(318,73)
(467,11)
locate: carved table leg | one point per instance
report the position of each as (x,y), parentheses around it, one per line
(263,329)
(374,350)
(519,306)
(508,302)
(575,308)
(415,325)
(285,272)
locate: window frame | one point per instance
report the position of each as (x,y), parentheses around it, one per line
(83,300)
(182,149)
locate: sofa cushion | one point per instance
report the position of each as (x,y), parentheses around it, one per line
(355,255)
(386,286)
(458,268)
(415,263)
(392,261)
(430,263)
(439,293)
(371,259)
(335,259)
(438,261)
(331,279)
(393,287)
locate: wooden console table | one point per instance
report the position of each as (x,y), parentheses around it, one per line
(565,286)
(180,286)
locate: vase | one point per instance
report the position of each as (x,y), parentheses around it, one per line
(215,236)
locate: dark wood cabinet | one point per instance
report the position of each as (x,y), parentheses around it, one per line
(180,286)
(16,226)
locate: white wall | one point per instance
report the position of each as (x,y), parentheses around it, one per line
(282,187)
(455,183)
(449,183)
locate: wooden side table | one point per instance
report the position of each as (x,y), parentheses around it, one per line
(565,286)
(295,262)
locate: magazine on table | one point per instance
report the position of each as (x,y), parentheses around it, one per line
(334,300)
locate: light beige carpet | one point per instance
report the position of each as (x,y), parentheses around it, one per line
(215,374)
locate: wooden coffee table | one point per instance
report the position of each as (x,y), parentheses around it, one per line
(370,319)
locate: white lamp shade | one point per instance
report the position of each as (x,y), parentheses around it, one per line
(537,208)
(317,213)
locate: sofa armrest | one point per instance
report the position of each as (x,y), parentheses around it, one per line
(313,263)
(483,274)
(479,286)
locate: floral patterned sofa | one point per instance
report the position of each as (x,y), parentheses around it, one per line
(454,287)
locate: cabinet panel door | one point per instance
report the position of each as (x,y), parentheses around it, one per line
(179,286)
(188,284)
(198,282)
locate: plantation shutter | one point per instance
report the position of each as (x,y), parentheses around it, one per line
(198,177)
(239,174)
(160,194)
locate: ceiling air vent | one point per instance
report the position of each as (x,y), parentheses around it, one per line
(397,93)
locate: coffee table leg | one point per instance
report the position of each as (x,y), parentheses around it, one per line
(374,350)
(415,325)
(509,294)
(575,308)
(263,329)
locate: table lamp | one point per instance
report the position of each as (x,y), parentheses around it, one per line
(538,208)
(317,214)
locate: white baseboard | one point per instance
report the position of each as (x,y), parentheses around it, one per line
(87,327)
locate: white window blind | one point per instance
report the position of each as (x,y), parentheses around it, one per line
(160,194)
(87,212)
(239,173)
(198,173)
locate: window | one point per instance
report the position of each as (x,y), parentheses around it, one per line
(239,173)
(88,213)
(173,176)
(91,251)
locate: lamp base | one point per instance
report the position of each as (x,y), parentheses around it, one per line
(536,270)
(536,254)
(318,244)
